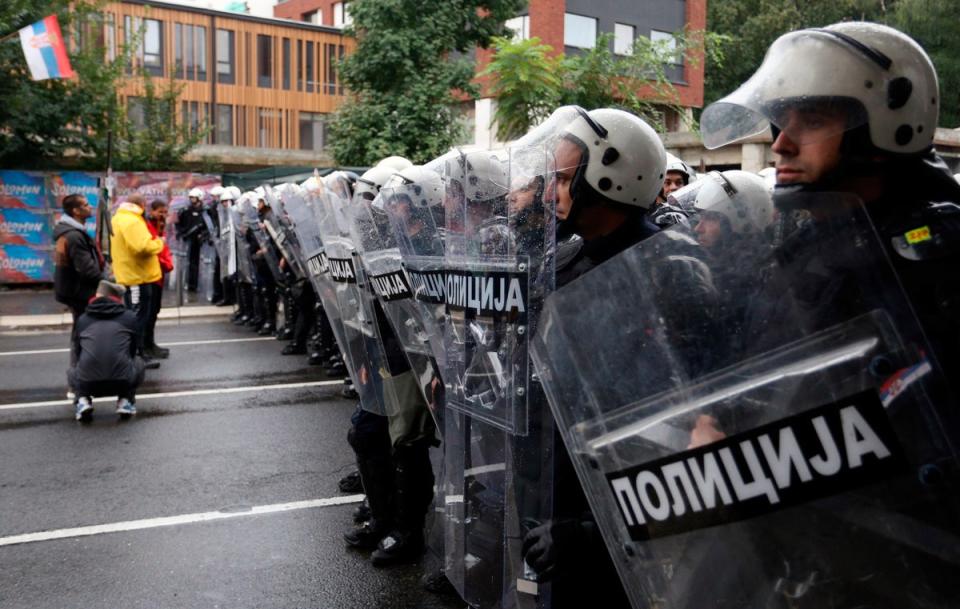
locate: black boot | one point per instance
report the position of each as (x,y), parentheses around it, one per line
(372,447)
(294,349)
(413,477)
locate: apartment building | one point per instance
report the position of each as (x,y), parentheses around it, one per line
(266,86)
(569,26)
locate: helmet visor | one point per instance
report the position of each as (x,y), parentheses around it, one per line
(804,88)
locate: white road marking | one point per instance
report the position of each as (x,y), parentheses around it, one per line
(217,341)
(176,394)
(167,521)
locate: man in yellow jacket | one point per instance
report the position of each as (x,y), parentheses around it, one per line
(135,264)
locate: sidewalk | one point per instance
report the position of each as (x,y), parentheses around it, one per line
(36,308)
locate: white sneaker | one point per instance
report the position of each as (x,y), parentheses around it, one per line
(83,409)
(125,408)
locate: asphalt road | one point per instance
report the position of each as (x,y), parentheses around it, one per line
(244,478)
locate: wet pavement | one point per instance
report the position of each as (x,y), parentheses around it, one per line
(226,462)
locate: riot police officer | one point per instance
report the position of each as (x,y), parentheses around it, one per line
(193,230)
(609,172)
(853,123)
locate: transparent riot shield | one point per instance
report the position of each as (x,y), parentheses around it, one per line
(281,230)
(264,248)
(227,243)
(354,297)
(411,323)
(494,256)
(759,425)
(245,269)
(498,249)
(303,211)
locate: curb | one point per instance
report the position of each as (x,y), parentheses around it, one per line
(21,322)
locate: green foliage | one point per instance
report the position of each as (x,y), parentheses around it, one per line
(160,143)
(753,25)
(933,23)
(528,81)
(404,77)
(44,123)
(39,120)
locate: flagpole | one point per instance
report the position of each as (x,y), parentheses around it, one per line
(9,36)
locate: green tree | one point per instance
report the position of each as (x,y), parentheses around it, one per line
(933,23)
(157,141)
(410,70)
(46,123)
(528,81)
(752,25)
(40,120)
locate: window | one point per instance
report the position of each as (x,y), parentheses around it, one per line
(341,14)
(110,37)
(341,50)
(136,112)
(668,45)
(153,46)
(200,51)
(190,52)
(149,51)
(225,57)
(579,31)
(311,68)
(312,131)
(286,63)
(264,61)
(520,26)
(314,17)
(623,36)
(299,65)
(195,116)
(224,130)
(269,127)
(331,54)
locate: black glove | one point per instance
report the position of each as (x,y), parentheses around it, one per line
(551,547)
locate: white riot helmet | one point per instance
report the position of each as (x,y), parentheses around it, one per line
(422,186)
(483,175)
(626,158)
(739,196)
(195,193)
(370,183)
(230,193)
(247,202)
(873,74)
(396,163)
(678,165)
(216,191)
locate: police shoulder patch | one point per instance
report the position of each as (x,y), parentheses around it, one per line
(930,234)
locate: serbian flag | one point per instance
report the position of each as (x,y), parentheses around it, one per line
(44,49)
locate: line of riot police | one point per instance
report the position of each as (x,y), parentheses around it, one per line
(586,375)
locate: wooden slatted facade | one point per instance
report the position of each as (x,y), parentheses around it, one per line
(259,83)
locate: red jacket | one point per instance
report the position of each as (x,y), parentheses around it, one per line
(164,257)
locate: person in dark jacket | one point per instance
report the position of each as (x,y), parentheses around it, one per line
(105,352)
(609,171)
(79,266)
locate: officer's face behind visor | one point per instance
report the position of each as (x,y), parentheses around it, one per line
(804,120)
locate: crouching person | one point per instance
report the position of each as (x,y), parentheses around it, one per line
(105,352)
